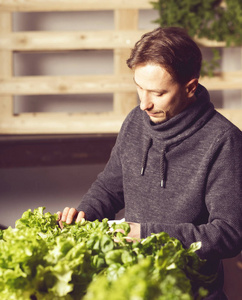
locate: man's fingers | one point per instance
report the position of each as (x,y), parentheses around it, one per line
(71,215)
(68,215)
(80,216)
(65,214)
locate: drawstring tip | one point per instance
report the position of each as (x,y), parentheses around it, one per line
(162,183)
(142,171)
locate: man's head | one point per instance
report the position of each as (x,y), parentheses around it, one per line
(172,49)
(166,64)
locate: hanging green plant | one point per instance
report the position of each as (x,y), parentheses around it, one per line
(216,20)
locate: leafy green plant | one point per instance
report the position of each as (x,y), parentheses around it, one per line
(91,260)
(219,20)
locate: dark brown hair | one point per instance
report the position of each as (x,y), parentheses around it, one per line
(171,48)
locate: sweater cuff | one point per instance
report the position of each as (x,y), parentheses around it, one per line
(89,212)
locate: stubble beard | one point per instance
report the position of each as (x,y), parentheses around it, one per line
(161,119)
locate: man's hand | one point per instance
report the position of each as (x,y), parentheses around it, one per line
(70,214)
(134,230)
(134,234)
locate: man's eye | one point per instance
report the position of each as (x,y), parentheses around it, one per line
(158,94)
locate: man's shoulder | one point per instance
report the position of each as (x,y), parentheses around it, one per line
(225,124)
(136,111)
(133,122)
(222,128)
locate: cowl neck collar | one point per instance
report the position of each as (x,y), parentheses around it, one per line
(175,130)
(184,124)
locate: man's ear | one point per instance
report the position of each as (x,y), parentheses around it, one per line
(191,87)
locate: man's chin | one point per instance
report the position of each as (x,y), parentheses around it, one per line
(157,121)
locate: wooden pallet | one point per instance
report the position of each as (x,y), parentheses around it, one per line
(120,84)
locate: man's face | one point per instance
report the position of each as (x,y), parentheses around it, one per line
(160,96)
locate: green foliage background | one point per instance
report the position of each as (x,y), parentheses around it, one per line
(212,19)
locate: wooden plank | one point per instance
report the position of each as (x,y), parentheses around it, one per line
(61,123)
(124,102)
(204,42)
(6,63)
(54,150)
(75,40)
(125,20)
(50,41)
(71,5)
(46,85)
(223,81)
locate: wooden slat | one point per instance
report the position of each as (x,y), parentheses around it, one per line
(203,42)
(69,40)
(71,5)
(224,81)
(6,69)
(59,123)
(44,85)
(125,20)
(40,41)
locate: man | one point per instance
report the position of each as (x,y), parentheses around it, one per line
(176,165)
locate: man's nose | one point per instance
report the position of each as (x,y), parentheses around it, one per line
(145,101)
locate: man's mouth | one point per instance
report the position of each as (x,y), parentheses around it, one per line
(156,114)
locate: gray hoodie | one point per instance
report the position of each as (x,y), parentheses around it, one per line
(183,176)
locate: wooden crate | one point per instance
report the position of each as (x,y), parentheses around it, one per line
(120,83)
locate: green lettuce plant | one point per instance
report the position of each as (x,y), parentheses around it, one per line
(94,261)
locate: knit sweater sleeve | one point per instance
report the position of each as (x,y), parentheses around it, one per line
(221,236)
(105,197)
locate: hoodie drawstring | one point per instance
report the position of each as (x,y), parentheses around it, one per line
(163,167)
(145,156)
(162,162)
